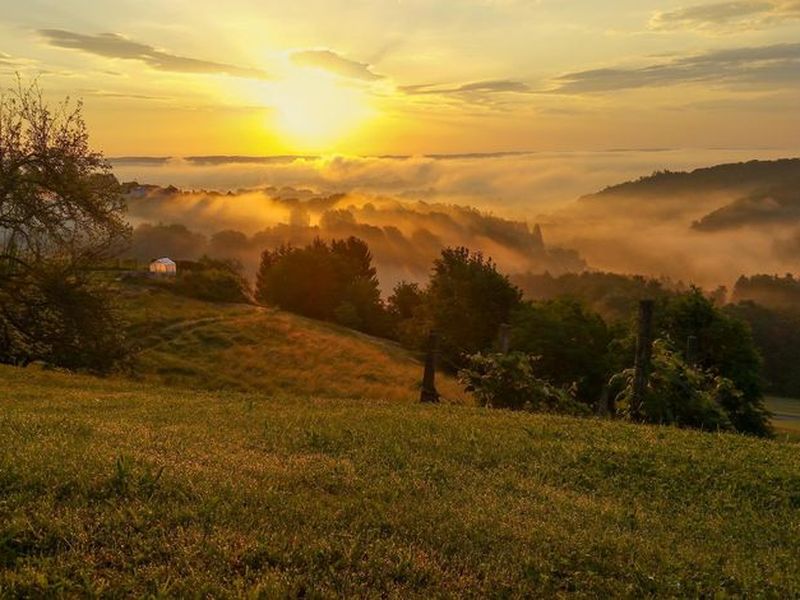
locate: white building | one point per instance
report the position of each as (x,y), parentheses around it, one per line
(163,267)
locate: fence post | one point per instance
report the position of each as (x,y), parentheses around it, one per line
(603,408)
(692,351)
(644,352)
(504,338)
(429,393)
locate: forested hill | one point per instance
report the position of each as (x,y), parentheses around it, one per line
(741,178)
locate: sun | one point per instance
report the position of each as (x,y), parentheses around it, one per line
(315,111)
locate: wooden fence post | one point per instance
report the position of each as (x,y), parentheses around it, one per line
(429,393)
(504,338)
(644,353)
(692,351)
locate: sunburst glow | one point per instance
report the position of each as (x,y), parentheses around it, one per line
(315,111)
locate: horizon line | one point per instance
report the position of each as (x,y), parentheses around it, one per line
(211,159)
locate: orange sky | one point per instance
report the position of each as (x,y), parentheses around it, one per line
(414,76)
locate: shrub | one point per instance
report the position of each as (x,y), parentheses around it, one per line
(510,381)
(724,346)
(677,393)
(214,281)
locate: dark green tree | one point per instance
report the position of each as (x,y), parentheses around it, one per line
(468,299)
(331,282)
(572,344)
(408,314)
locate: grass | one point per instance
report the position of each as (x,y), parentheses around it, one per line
(113,488)
(188,343)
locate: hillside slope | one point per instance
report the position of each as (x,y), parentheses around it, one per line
(203,345)
(110,488)
(733,177)
(718,198)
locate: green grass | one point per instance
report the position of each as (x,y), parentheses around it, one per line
(122,489)
(188,343)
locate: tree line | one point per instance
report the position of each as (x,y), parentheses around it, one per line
(562,352)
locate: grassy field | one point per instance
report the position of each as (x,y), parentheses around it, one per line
(122,489)
(238,347)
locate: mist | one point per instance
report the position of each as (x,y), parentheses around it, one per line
(404,236)
(523,209)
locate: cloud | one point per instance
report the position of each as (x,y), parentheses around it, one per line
(112,45)
(335,63)
(777,64)
(120,95)
(736,15)
(492,86)
(8,60)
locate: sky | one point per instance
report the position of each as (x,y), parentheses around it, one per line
(381,77)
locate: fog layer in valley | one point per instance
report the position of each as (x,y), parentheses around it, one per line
(407,208)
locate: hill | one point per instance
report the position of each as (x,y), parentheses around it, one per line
(775,205)
(718,198)
(117,489)
(239,347)
(707,226)
(733,177)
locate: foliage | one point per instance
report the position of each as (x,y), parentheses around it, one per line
(725,347)
(467,300)
(776,333)
(213,280)
(175,240)
(405,301)
(679,394)
(331,282)
(571,341)
(612,295)
(408,312)
(280,495)
(771,291)
(61,213)
(63,319)
(511,381)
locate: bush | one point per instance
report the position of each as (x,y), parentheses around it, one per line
(725,347)
(679,394)
(510,381)
(214,281)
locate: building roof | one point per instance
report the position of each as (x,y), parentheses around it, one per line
(163,261)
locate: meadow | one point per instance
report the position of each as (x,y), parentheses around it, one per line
(116,488)
(185,342)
